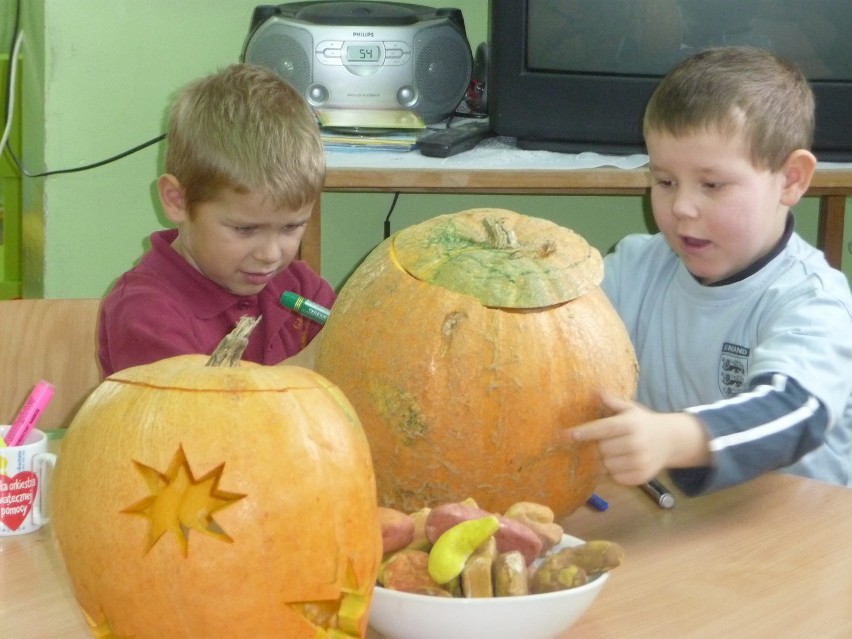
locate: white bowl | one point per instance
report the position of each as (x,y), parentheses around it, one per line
(403,615)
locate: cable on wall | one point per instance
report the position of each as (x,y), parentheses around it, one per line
(10,95)
(9,109)
(387,218)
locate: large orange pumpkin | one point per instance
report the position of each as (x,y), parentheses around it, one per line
(466,343)
(198,501)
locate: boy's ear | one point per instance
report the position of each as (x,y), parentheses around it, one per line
(798,171)
(172,198)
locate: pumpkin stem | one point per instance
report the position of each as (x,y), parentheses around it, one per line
(230,350)
(500,236)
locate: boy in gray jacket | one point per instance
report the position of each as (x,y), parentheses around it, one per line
(742,330)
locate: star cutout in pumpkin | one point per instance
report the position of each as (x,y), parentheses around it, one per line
(345,618)
(179,502)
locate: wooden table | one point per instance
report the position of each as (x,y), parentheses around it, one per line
(509,171)
(769,559)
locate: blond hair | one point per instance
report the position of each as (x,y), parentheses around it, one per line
(246,129)
(737,91)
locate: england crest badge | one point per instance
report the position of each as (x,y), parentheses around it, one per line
(733,368)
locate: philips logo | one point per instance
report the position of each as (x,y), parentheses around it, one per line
(362,34)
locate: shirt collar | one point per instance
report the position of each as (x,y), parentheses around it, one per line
(209,299)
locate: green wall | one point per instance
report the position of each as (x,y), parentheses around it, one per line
(97,78)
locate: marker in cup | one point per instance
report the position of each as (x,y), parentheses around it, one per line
(305,307)
(27,418)
(24,475)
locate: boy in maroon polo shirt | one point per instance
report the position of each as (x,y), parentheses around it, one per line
(244,167)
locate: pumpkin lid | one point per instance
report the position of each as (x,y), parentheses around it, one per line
(502,258)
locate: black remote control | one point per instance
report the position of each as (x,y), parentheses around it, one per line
(447,142)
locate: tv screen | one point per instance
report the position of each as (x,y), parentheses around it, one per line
(575,75)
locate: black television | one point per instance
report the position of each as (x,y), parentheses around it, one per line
(575,75)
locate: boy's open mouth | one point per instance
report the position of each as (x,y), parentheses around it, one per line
(693,242)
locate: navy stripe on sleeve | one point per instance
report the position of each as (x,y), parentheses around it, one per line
(770,426)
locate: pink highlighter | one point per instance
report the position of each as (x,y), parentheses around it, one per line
(32,410)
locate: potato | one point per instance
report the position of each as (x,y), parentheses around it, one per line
(554,575)
(575,565)
(539,519)
(443,517)
(397,529)
(510,575)
(476,577)
(419,541)
(594,557)
(407,571)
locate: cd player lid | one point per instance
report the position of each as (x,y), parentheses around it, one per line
(355,12)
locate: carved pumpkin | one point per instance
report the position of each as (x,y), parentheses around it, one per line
(202,501)
(466,343)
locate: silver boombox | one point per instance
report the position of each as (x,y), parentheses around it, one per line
(366,55)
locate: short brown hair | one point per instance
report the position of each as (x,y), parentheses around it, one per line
(247,129)
(737,90)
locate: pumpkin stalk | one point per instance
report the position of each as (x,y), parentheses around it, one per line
(230,350)
(500,236)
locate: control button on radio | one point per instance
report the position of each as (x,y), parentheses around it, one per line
(406,96)
(317,94)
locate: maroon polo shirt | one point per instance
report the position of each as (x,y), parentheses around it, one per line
(164,307)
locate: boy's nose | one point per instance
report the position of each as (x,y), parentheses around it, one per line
(270,250)
(683,204)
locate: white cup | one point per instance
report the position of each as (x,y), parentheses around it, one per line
(23,474)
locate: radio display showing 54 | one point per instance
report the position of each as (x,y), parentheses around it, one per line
(363,53)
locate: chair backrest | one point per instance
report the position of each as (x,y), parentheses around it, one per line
(50,339)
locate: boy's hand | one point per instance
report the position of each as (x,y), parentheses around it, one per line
(636,443)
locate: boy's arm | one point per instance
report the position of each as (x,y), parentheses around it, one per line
(636,443)
(772,425)
(709,447)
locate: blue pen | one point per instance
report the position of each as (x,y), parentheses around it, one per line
(305,307)
(597,502)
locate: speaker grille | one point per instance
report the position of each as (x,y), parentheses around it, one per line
(287,54)
(442,71)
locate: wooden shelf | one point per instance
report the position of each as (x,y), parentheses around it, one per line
(533,173)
